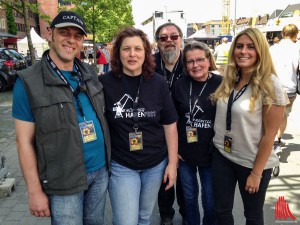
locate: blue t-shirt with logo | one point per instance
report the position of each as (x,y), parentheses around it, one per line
(94,151)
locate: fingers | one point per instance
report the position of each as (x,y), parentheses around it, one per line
(40,213)
(170,184)
(251,190)
(165,177)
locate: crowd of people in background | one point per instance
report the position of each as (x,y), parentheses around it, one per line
(148,120)
(102,55)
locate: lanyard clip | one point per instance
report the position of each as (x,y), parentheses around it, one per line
(135,129)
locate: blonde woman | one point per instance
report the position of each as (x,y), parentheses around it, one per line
(250,106)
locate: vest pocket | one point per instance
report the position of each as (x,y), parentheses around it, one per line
(54,118)
(51,114)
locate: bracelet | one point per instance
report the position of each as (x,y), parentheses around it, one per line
(256,176)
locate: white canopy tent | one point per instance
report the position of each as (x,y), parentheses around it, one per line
(202,35)
(38,43)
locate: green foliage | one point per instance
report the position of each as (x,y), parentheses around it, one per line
(17,5)
(104,18)
(11,25)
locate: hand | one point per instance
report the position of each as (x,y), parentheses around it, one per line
(39,204)
(170,174)
(252,184)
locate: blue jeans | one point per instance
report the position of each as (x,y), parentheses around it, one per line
(84,207)
(226,174)
(133,193)
(106,68)
(190,187)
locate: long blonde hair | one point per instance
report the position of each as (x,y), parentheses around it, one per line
(261,83)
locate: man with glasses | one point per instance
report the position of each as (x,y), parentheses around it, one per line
(61,132)
(168,63)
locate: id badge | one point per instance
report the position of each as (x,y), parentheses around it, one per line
(191,134)
(135,141)
(227,143)
(88,132)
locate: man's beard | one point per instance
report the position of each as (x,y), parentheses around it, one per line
(169,56)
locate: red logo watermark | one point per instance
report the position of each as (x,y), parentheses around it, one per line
(282,210)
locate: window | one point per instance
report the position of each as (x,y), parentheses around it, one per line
(3,23)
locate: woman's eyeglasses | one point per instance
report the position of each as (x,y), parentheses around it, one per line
(173,37)
(198,61)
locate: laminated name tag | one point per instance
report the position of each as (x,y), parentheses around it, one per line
(88,132)
(227,143)
(135,141)
(191,134)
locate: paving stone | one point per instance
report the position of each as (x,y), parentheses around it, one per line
(4,211)
(16,216)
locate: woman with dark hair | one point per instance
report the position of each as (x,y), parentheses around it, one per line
(142,121)
(196,111)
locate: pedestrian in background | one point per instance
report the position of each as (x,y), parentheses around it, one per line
(101,60)
(82,55)
(191,96)
(142,121)
(250,107)
(61,132)
(168,64)
(90,51)
(107,57)
(221,55)
(286,58)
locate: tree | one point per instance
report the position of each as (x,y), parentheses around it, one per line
(22,7)
(11,25)
(104,18)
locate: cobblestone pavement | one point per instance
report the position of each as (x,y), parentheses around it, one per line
(7,131)
(14,209)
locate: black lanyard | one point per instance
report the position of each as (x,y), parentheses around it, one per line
(135,102)
(195,103)
(81,85)
(171,78)
(231,100)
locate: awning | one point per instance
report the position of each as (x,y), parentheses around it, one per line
(8,41)
(3,34)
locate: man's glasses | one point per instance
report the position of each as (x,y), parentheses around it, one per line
(198,61)
(173,37)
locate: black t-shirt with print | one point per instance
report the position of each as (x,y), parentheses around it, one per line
(155,109)
(196,153)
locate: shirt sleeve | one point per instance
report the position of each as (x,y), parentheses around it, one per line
(281,95)
(21,108)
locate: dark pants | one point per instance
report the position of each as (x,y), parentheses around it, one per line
(225,176)
(106,68)
(166,200)
(190,187)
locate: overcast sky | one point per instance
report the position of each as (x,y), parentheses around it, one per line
(204,10)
